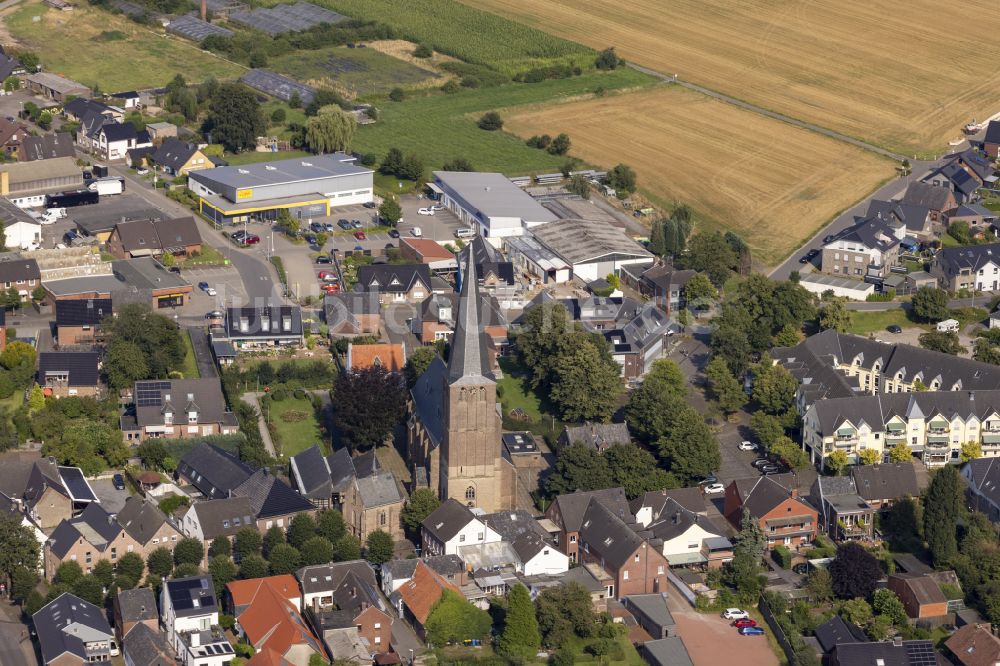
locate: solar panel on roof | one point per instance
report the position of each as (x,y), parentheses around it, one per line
(921,654)
(76,484)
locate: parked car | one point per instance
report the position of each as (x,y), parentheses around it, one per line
(828,238)
(369,204)
(238,235)
(747,446)
(323,259)
(118,481)
(393,233)
(358,248)
(214,314)
(344,224)
(390,246)
(714,489)
(417,233)
(749,622)
(311,239)
(425,211)
(895,328)
(771,471)
(142,171)
(809,256)
(437,207)
(711,478)
(328,276)
(360,235)
(252,239)
(356,224)
(70,236)
(760,462)
(751,631)
(802,568)
(328,227)
(205,287)
(317,227)
(330,288)
(735,614)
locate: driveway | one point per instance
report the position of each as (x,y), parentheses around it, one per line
(202,352)
(16,649)
(711,641)
(112,499)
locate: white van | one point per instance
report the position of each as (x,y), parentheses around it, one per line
(416,232)
(464,233)
(948,326)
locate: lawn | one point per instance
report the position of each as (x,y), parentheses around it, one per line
(772,184)
(189,367)
(353,72)
(440,127)
(208,256)
(96,47)
(863,323)
(514,391)
(857,66)
(293,425)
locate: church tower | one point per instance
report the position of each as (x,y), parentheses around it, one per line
(473,470)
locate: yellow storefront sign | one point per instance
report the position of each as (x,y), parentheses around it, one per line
(244,194)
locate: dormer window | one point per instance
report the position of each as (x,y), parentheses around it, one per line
(286,324)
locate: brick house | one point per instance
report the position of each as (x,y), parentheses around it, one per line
(773,501)
(389,356)
(92,536)
(419,594)
(396,283)
(78,321)
(352,313)
(920,594)
(268,617)
(177,408)
(142,519)
(135,607)
(974,645)
(144,238)
(567,512)
(72,632)
(69,373)
(347,589)
(54,493)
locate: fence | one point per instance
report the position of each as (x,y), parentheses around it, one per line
(779,633)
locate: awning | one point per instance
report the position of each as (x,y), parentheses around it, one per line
(434,188)
(845,432)
(680,559)
(991,439)
(937,439)
(790,520)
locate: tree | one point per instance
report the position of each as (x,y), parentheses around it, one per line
(17,354)
(766,428)
(317,550)
(458,164)
(392,163)
(223,571)
(900,453)
(156,337)
(608,59)
(36,399)
(564,611)
(370,402)
(543,328)
(301,528)
(20,548)
(585,382)
(579,185)
(971,450)
(774,387)
(622,180)
(295,101)
(901,524)
(189,551)
(560,145)
(418,362)
(520,638)
(422,503)
(930,304)
(346,548)
(854,571)
(253,566)
(870,457)
(657,237)
(490,121)
(379,547)
(235,118)
(578,468)
(104,571)
(272,538)
(689,447)
(835,315)
(330,130)
(221,545)
(453,620)
(284,559)
(131,566)
(657,398)
(635,470)
(787,450)
(725,388)
(942,507)
(160,562)
(89,588)
(819,585)
(857,611)
(942,341)
(390,211)
(68,573)
(700,290)
(412,168)
(330,524)
(885,602)
(248,541)
(749,547)
(278,115)
(837,461)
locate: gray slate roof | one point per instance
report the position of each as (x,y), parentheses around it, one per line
(923,194)
(909,653)
(428,398)
(223,517)
(523,532)
(66,624)
(270,496)
(984,476)
(270,322)
(146,647)
(137,605)
(692,499)
(653,606)
(667,652)
(971,257)
(393,278)
(447,520)
(596,435)
(141,518)
(835,631)
(94,524)
(48,146)
(174,153)
(886,482)
(674,520)
(607,535)
(213,471)
(469,362)
(166,235)
(328,577)
(311,474)
(573,506)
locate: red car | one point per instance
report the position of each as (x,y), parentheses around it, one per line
(360,235)
(252,239)
(330,288)
(328,276)
(739,624)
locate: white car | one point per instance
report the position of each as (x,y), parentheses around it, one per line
(113,648)
(425,211)
(714,489)
(735,614)
(416,232)
(142,171)
(437,207)
(747,446)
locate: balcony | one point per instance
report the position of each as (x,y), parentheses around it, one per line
(937,431)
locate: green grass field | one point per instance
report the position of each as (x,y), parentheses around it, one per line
(190,366)
(467,33)
(353,72)
(96,47)
(440,127)
(294,425)
(863,323)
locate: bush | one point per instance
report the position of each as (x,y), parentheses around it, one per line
(491,121)
(422,51)
(278,115)
(397,94)
(782,556)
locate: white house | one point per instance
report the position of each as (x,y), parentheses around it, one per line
(22,235)
(189,612)
(684,534)
(536,553)
(113,140)
(451,526)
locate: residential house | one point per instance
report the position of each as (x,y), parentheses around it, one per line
(977,164)
(87,539)
(176,158)
(142,519)
(69,373)
(882,485)
(256,328)
(268,617)
(310,472)
(154,238)
(54,493)
(216,473)
(885,653)
(774,503)
(177,408)
(12,133)
(352,313)
(920,594)
(974,645)
(843,513)
(112,140)
(78,321)
(77,109)
(688,538)
(937,200)
(429,252)
(160,132)
(435,319)
(982,476)
(933,424)
(147,647)
(835,631)
(651,505)
(189,612)
(133,608)
(46,147)
(368,496)
(493,271)
(640,340)
(567,513)
(991,141)
(632,564)
(660,282)
(207,520)
(596,436)
(419,594)
(21,274)
(652,614)
(534,547)
(979,218)
(389,356)
(395,283)
(346,594)
(272,501)
(916,218)
(10,66)
(451,526)
(72,632)
(962,184)
(971,267)
(868,249)
(396,572)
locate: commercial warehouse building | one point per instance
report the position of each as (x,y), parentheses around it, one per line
(140,280)
(490,203)
(306,187)
(26,183)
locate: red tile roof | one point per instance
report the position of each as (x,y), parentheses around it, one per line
(421,592)
(271,619)
(389,356)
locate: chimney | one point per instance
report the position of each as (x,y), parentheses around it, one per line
(204,10)
(196,635)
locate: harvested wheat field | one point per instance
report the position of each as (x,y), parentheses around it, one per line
(773,184)
(895,74)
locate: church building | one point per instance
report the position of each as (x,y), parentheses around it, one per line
(454,429)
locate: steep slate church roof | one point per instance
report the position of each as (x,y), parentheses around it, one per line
(469,364)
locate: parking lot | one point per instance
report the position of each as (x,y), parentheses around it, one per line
(112,499)
(225,280)
(711,640)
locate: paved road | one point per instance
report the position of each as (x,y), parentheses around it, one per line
(14,651)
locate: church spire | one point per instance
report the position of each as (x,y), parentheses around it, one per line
(470,362)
